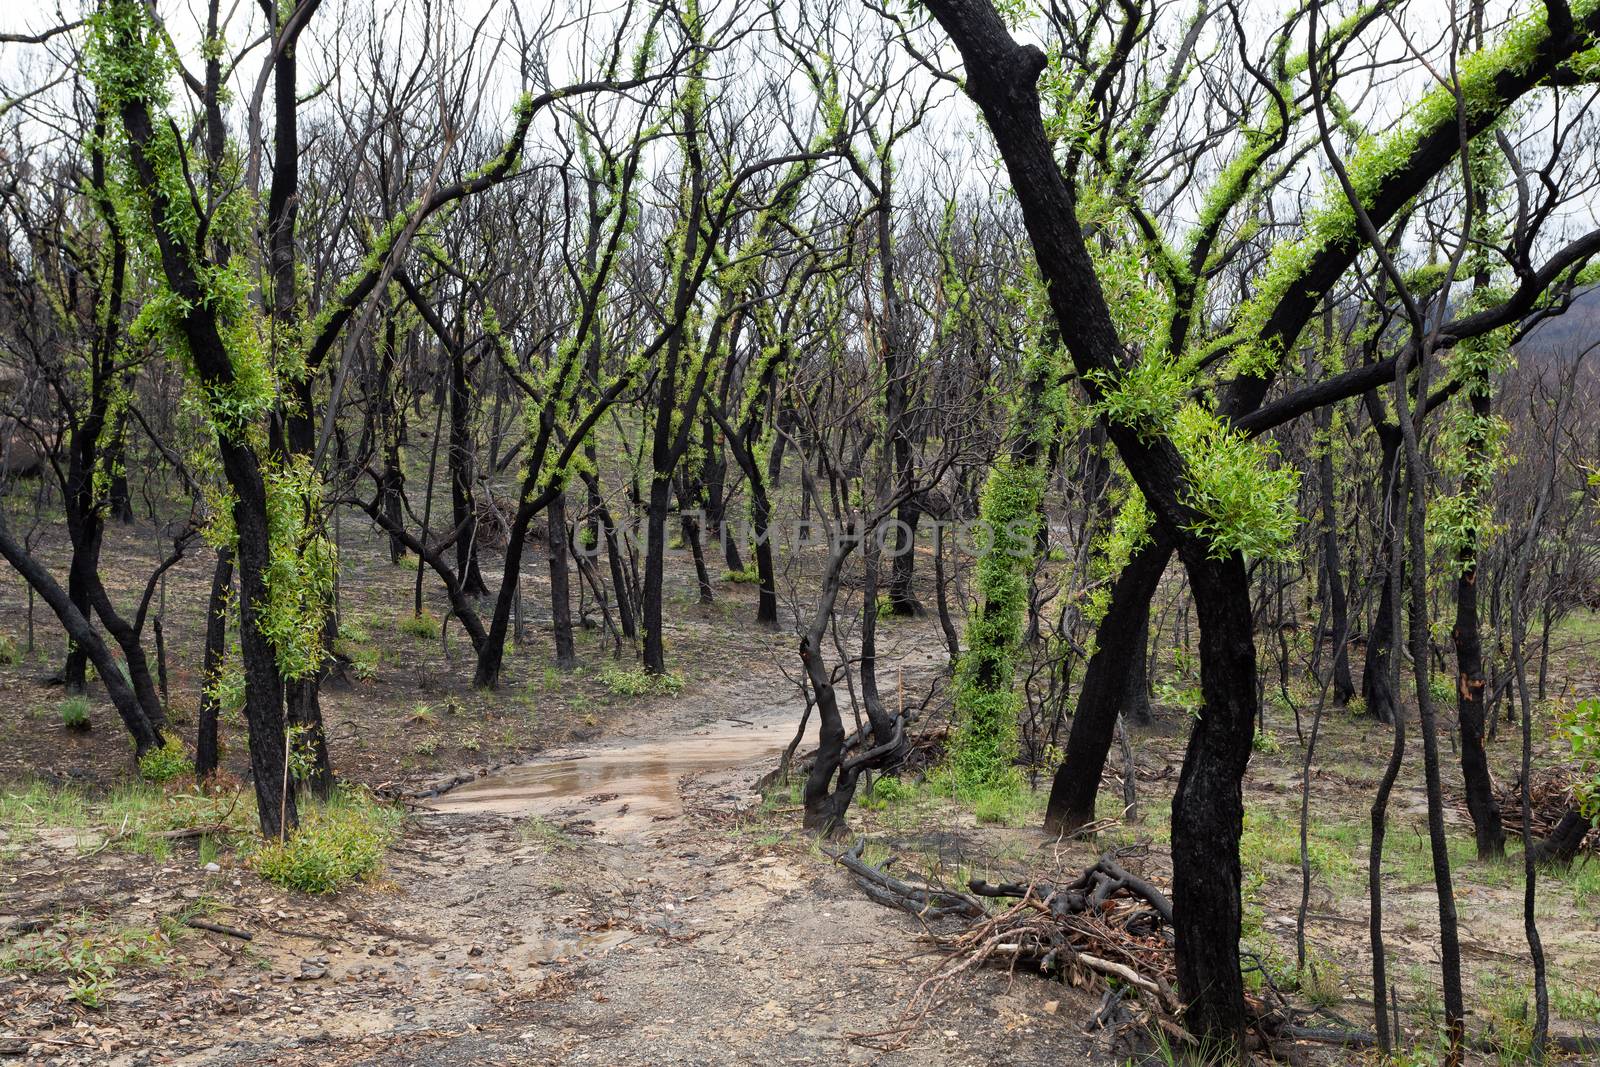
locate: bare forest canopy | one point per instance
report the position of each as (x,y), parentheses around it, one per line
(1037,325)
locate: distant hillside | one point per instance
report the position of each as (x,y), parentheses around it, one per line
(1567,333)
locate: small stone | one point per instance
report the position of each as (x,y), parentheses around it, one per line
(475,950)
(1052,1006)
(213,868)
(475,982)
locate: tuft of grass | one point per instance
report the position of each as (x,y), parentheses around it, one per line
(539,831)
(748,576)
(423,626)
(637,682)
(10,653)
(337,844)
(1005,805)
(422,714)
(167,763)
(1321,982)
(75,713)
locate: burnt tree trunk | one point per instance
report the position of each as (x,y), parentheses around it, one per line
(1377,677)
(1333,567)
(207,751)
(145,734)
(560,584)
(1118,655)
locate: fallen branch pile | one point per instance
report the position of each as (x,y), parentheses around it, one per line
(1550,798)
(1106,923)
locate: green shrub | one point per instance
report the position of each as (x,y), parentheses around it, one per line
(75,713)
(424,625)
(1442,689)
(637,682)
(352,631)
(338,843)
(748,576)
(1266,742)
(166,763)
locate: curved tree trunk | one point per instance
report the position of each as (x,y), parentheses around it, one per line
(145,734)
(1105,688)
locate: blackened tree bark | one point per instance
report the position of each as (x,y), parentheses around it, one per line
(207,751)
(1333,564)
(459,459)
(1104,693)
(1208,806)
(560,583)
(1377,675)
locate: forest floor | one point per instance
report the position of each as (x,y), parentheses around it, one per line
(633,899)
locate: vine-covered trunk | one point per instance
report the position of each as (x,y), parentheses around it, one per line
(1105,688)
(264,717)
(392,480)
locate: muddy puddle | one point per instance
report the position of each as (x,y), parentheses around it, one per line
(629,787)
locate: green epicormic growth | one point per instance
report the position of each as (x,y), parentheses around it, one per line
(983,746)
(130,64)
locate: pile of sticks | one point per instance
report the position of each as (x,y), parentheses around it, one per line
(1106,923)
(1550,797)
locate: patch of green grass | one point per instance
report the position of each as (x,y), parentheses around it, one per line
(1574,1003)
(351,630)
(1271,846)
(424,626)
(538,831)
(167,763)
(1504,1005)
(75,713)
(1006,806)
(748,576)
(338,843)
(138,817)
(636,681)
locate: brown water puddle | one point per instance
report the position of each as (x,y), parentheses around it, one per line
(628,788)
